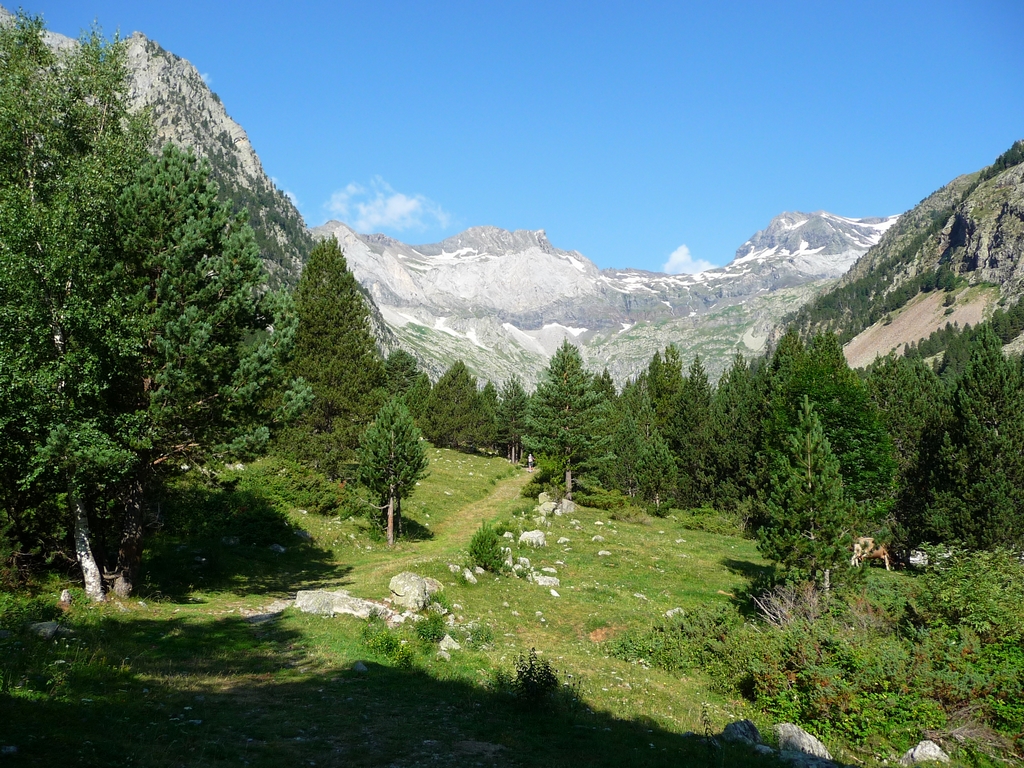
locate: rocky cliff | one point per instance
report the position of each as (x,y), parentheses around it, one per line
(185,111)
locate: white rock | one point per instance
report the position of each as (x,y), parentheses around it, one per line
(533,538)
(412,591)
(743,731)
(468,576)
(674,612)
(360,668)
(453,568)
(548,569)
(926,751)
(546,581)
(444,655)
(563,540)
(603,553)
(278,548)
(448,643)
(523,561)
(508,535)
(597,538)
(554,594)
(547,507)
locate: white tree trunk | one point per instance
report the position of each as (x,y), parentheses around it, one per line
(90,570)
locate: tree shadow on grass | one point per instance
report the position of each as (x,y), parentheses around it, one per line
(203,690)
(175,569)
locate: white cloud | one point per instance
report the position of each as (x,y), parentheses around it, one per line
(207,78)
(681,261)
(381,207)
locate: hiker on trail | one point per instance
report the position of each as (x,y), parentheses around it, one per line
(529,463)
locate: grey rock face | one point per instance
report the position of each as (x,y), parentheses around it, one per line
(793,738)
(412,591)
(925,752)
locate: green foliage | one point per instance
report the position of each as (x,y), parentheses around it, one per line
(982,591)
(431,629)
(336,354)
(809,522)
(290,485)
(379,639)
(18,610)
(485,549)
(194,507)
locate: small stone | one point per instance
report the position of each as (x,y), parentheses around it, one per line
(554,594)
(306,535)
(546,581)
(508,535)
(598,522)
(676,612)
(547,508)
(444,656)
(9,750)
(468,576)
(360,668)
(65,597)
(563,540)
(598,538)
(925,751)
(478,570)
(603,553)
(543,498)
(448,643)
(763,749)
(453,568)
(278,548)
(524,562)
(566,507)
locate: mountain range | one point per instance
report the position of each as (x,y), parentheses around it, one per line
(503,301)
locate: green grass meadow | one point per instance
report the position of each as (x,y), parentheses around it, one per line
(181,675)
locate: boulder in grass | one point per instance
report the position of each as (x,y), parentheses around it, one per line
(926,751)
(742,731)
(793,738)
(533,539)
(546,581)
(412,591)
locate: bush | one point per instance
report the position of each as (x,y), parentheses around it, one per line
(713,521)
(289,485)
(601,498)
(196,508)
(535,680)
(485,549)
(384,642)
(17,610)
(431,629)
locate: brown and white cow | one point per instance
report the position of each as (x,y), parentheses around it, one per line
(865,548)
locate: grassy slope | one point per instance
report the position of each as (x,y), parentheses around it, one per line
(128,687)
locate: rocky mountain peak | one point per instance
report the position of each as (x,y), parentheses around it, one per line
(491,240)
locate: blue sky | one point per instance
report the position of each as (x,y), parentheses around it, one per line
(628,131)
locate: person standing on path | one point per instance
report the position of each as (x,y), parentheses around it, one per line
(529,463)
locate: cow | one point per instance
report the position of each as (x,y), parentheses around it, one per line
(865,548)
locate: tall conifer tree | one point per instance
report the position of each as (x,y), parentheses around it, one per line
(336,354)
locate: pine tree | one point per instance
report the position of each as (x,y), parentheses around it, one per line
(736,420)
(486,416)
(392,458)
(656,470)
(808,531)
(513,405)
(451,416)
(336,354)
(693,436)
(565,413)
(978,475)
(400,372)
(664,387)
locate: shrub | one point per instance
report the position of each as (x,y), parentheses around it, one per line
(18,610)
(535,680)
(431,629)
(485,549)
(384,642)
(601,498)
(290,485)
(713,521)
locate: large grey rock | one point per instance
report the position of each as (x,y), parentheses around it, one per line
(44,629)
(533,538)
(925,752)
(543,498)
(468,576)
(566,507)
(793,738)
(743,731)
(412,591)
(323,603)
(547,507)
